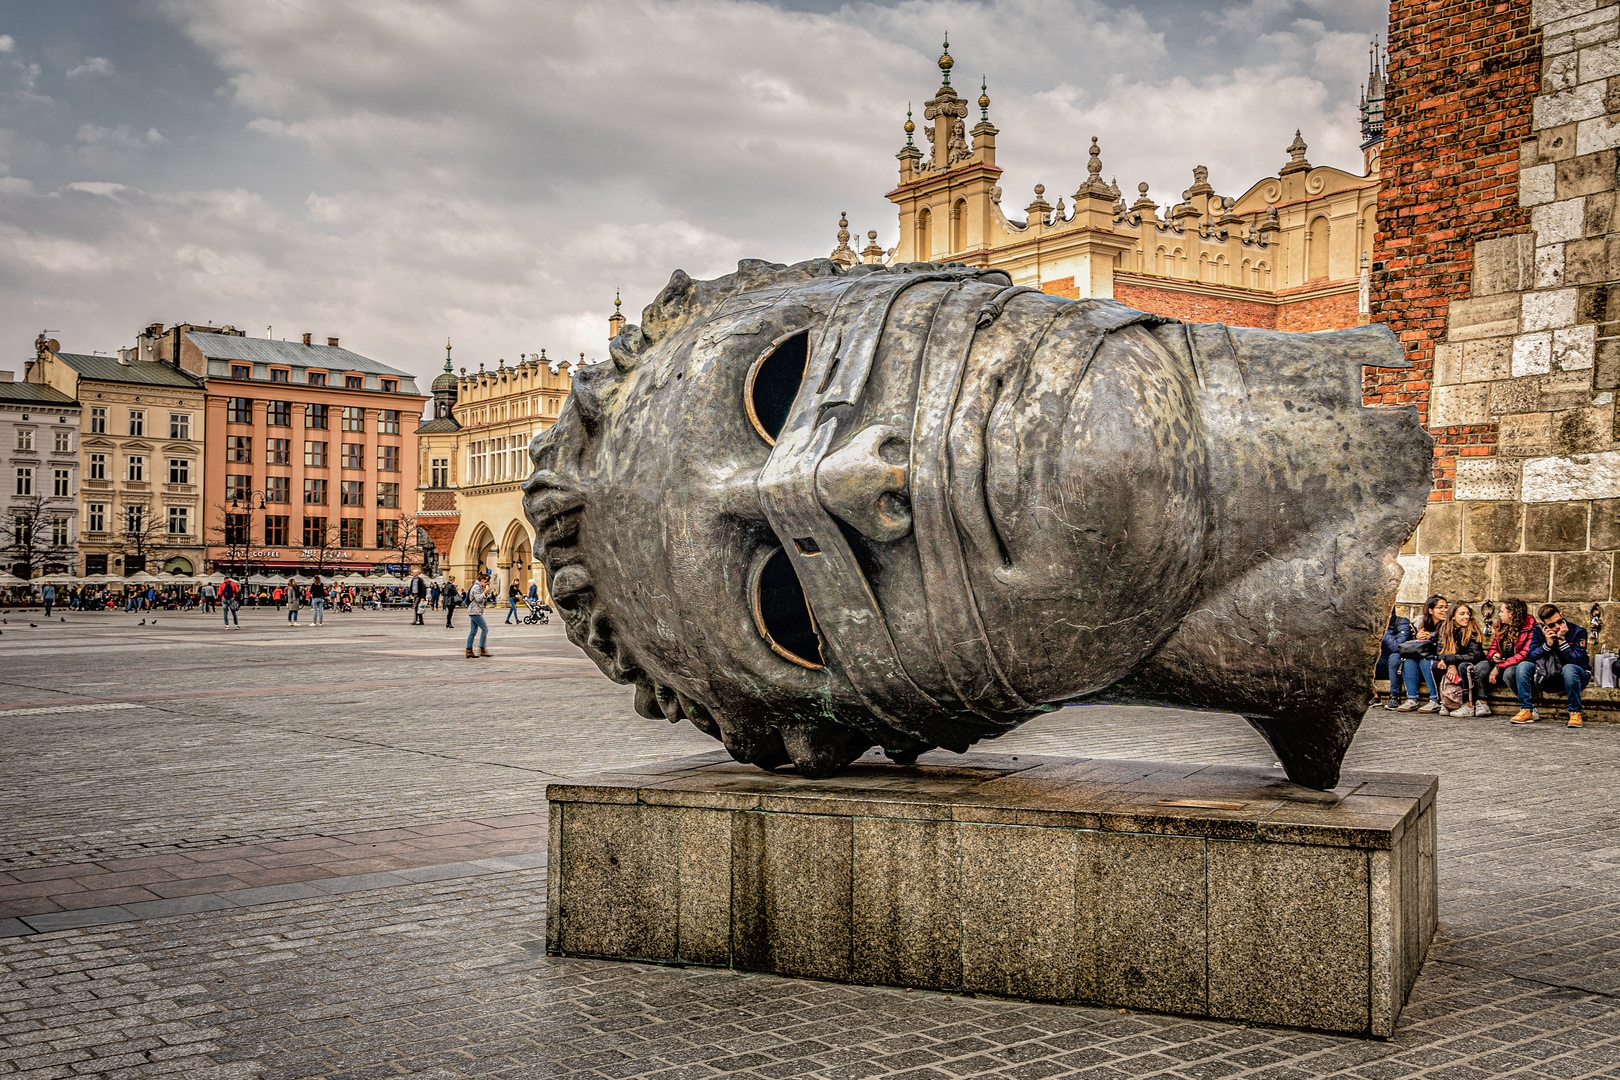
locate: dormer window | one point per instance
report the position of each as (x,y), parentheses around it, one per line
(354,382)
(317,378)
(390,386)
(241,371)
(280,375)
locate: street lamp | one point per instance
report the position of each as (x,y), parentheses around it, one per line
(246,500)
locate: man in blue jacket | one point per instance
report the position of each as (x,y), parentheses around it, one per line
(1565,661)
(1389,655)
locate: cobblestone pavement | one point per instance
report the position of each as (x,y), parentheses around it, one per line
(181,753)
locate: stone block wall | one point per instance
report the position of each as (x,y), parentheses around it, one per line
(1498,252)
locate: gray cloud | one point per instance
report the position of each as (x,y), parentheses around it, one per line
(490,170)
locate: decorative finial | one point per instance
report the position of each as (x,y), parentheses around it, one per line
(542,355)
(910,127)
(984,99)
(945,61)
(1040,189)
(616,301)
(447,369)
(1094,166)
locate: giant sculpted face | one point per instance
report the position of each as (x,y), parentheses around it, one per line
(814,511)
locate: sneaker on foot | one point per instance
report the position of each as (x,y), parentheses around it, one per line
(1535,713)
(1575,719)
(1409,705)
(1391,704)
(1481,709)
(1430,706)
(1523,716)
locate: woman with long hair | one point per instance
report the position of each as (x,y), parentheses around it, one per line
(1517,641)
(1426,628)
(1462,646)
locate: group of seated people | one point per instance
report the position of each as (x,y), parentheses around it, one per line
(1460,660)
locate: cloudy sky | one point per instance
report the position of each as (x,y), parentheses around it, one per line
(399,172)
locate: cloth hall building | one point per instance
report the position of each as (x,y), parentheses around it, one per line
(1289,253)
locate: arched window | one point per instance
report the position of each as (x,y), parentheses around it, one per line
(1178,263)
(1262,275)
(1316,257)
(1244,272)
(1204,272)
(1158,262)
(959,226)
(1220,269)
(925,235)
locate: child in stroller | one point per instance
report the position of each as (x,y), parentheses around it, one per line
(539,614)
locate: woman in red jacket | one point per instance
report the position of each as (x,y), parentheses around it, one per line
(1518,640)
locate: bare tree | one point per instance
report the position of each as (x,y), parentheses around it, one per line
(406,540)
(231,530)
(31,540)
(143,538)
(322,545)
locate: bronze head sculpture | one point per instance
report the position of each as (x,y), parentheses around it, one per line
(815,510)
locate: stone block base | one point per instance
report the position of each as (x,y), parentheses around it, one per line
(1200,890)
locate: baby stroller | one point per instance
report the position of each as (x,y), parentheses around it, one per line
(539,614)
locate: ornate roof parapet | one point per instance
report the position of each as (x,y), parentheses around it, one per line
(1229,216)
(1271,224)
(1143,205)
(984,132)
(948,133)
(873,253)
(1040,210)
(1094,187)
(911,158)
(843,254)
(1184,210)
(1296,156)
(1200,182)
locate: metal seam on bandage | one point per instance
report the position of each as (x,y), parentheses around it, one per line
(852,626)
(960,640)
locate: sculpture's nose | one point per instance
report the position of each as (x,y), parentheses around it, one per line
(867,482)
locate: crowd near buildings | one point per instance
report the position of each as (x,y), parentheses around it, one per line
(199,450)
(1482,229)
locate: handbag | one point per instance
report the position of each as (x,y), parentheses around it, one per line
(1417,649)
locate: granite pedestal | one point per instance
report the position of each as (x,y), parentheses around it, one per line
(1211,891)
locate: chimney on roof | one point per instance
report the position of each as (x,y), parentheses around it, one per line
(8,376)
(332,341)
(306,339)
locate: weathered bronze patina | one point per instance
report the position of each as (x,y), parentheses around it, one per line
(814,510)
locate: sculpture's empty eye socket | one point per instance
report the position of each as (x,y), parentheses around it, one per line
(782,613)
(773,383)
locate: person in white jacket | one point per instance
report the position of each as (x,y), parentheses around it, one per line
(477,597)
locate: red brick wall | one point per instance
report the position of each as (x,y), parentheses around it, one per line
(1195,307)
(1336,312)
(1462,75)
(1063,286)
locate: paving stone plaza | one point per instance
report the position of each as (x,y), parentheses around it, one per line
(284,853)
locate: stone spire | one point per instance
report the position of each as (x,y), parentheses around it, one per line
(616,320)
(873,253)
(843,254)
(1144,205)
(984,132)
(1296,156)
(947,110)
(909,156)
(1094,187)
(1372,100)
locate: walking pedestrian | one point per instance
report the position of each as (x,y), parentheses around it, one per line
(417,591)
(294,602)
(229,597)
(317,602)
(476,626)
(450,600)
(49,596)
(512,595)
(210,596)
(433,596)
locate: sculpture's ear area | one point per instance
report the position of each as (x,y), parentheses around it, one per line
(668,308)
(626,348)
(586,395)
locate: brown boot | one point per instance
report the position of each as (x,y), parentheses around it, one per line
(1523,716)
(483,651)
(1575,719)
(469,652)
